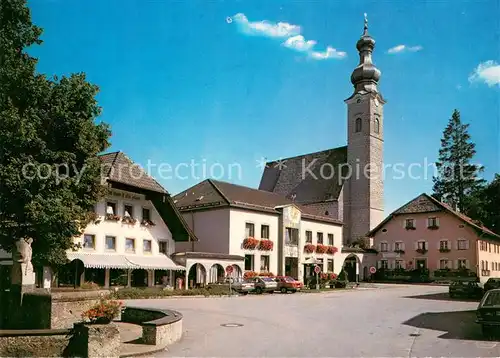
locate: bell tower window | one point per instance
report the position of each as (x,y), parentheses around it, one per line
(377,126)
(358,125)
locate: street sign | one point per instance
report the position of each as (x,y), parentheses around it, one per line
(317,269)
(373,270)
(229,269)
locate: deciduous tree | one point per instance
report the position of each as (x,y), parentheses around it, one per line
(49,142)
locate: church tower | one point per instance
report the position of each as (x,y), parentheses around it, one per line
(364,189)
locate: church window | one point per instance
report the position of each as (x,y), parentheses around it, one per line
(377,125)
(358,125)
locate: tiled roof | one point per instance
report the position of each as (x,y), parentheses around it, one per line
(289,176)
(117,167)
(214,193)
(425,203)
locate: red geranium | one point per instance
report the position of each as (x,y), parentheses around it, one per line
(250,274)
(321,249)
(266,245)
(266,273)
(309,248)
(250,243)
(333,276)
(332,250)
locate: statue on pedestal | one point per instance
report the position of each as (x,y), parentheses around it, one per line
(22,268)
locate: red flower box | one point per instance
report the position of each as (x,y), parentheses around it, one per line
(250,243)
(250,274)
(266,245)
(265,273)
(309,248)
(333,276)
(321,249)
(332,250)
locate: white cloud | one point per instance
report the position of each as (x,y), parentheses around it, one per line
(294,40)
(265,28)
(330,52)
(487,72)
(404,48)
(299,43)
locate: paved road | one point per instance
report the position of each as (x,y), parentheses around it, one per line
(381,322)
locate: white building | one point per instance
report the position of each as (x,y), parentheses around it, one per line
(270,232)
(133,235)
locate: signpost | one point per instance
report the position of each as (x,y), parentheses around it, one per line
(229,271)
(317,270)
(373,270)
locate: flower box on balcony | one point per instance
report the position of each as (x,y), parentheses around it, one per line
(332,250)
(266,274)
(422,251)
(146,222)
(409,227)
(433,227)
(250,243)
(444,250)
(401,252)
(266,245)
(309,248)
(321,249)
(129,220)
(112,217)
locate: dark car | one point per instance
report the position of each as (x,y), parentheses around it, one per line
(465,289)
(491,284)
(488,313)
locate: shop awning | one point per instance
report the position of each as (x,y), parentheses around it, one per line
(154,262)
(100,260)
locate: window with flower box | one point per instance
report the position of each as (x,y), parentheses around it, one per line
(146,246)
(399,247)
(128,209)
(432,223)
(383,264)
(383,247)
(410,224)
(444,246)
(146,214)
(330,239)
(110,208)
(462,263)
(264,231)
(309,236)
(264,263)
(249,261)
(444,264)
(110,243)
(319,237)
(249,230)
(399,264)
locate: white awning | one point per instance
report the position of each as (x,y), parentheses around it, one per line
(91,260)
(153,262)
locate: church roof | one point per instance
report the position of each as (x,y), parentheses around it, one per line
(291,176)
(425,203)
(210,194)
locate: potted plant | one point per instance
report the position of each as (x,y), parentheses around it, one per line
(112,217)
(146,222)
(309,248)
(129,220)
(401,252)
(250,243)
(103,313)
(266,245)
(321,249)
(421,251)
(444,250)
(332,250)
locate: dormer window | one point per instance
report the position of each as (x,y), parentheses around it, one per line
(358,125)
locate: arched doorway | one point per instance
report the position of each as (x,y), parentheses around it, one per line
(217,273)
(351,268)
(237,274)
(197,276)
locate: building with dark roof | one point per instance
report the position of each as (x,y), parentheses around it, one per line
(333,182)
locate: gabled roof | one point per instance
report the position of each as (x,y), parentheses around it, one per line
(118,168)
(120,172)
(210,194)
(425,203)
(291,176)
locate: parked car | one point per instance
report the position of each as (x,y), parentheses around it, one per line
(288,284)
(491,284)
(265,284)
(488,313)
(243,286)
(467,289)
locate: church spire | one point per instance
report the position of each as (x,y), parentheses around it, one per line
(365,76)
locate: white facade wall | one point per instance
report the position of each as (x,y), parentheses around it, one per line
(121,230)
(237,233)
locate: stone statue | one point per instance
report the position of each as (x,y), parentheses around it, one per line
(22,268)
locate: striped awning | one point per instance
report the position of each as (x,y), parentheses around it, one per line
(100,260)
(154,262)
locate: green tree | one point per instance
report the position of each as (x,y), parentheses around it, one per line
(457,177)
(49,142)
(484,204)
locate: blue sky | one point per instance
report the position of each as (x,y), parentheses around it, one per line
(184,81)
